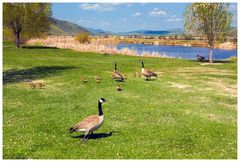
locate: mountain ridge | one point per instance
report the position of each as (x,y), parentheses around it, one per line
(63,27)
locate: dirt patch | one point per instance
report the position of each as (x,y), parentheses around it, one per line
(213,117)
(180,85)
(211,64)
(231,106)
(204,70)
(223,88)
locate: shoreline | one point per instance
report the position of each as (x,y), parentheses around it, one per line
(168,42)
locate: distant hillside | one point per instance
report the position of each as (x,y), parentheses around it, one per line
(153,32)
(98,31)
(61,27)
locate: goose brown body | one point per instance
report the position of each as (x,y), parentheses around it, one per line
(147,73)
(116,74)
(88,124)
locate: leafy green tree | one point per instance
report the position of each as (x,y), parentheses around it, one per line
(210,19)
(31,19)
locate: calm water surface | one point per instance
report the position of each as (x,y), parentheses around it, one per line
(180,51)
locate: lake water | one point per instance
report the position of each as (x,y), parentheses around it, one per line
(180,51)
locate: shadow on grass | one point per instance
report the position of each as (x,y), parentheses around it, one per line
(96,135)
(15,76)
(150,79)
(38,47)
(214,61)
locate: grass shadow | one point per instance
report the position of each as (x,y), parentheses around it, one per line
(38,47)
(96,135)
(23,75)
(150,79)
(214,61)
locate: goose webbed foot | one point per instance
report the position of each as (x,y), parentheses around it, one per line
(85,138)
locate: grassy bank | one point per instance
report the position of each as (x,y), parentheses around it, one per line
(189,112)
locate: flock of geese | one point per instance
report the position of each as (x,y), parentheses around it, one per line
(93,122)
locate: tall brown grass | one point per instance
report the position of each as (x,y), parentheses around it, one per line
(69,42)
(82,37)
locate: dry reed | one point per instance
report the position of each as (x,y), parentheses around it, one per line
(68,42)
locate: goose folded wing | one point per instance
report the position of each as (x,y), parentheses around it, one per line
(149,73)
(86,124)
(117,74)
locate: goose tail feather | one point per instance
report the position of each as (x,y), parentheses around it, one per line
(72,129)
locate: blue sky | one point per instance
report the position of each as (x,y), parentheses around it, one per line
(123,17)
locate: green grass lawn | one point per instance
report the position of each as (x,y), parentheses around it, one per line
(188,112)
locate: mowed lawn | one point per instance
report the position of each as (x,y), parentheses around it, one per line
(188,112)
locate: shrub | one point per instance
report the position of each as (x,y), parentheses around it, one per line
(82,37)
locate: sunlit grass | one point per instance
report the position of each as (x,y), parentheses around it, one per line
(180,115)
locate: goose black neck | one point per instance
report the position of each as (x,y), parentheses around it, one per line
(115,68)
(100,112)
(142,64)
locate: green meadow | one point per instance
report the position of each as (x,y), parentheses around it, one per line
(188,112)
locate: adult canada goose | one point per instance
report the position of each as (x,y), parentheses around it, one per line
(116,74)
(91,123)
(200,58)
(147,73)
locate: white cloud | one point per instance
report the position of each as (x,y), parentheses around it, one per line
(99,6)
(137,14)
(157,12)
(89,6)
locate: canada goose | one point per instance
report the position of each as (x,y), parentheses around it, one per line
(116,74)
(200,58)
(137,74)
(125,76)
(147,73)
(91,123)
(118,88)
(32,85)
(39,83)
(98,79)
(84,80)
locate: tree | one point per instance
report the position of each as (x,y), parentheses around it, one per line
(31,19)
(210,19)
